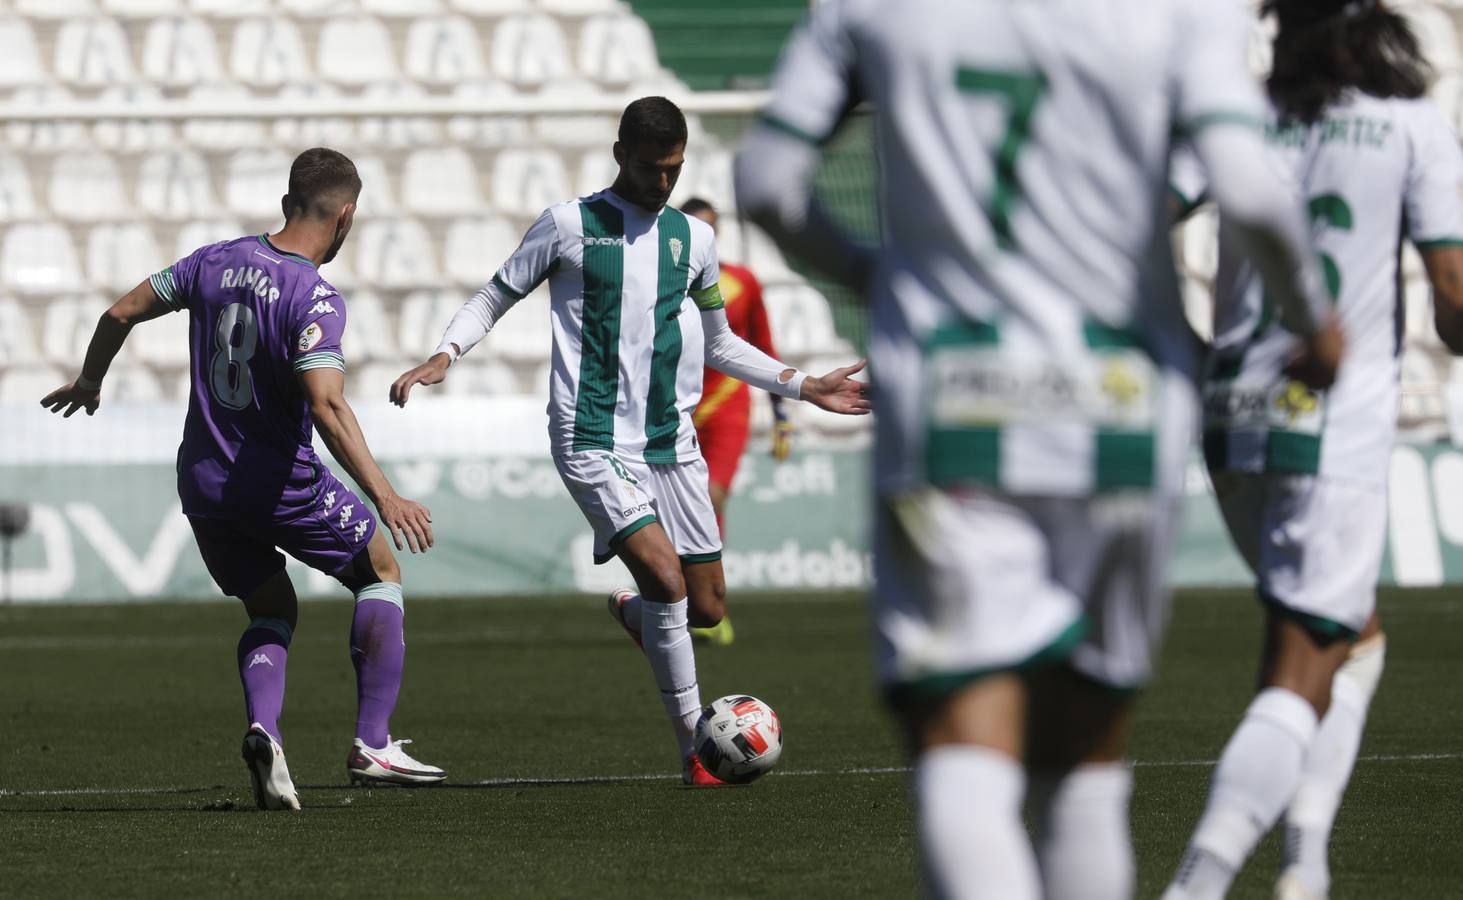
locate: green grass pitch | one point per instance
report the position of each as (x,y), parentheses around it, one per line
(120,771)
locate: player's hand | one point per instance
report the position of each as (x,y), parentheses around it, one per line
(409,523)
(73,398)
(1317,364)
(782,431)
(433,371)
(839,393)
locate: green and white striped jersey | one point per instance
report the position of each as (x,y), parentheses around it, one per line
(1027,327)
(628,348)
(1371,172)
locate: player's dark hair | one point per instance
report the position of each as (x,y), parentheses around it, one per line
(1326,47)
(321,181)
(696,205)
(654,122)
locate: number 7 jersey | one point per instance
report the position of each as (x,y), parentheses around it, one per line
(257,317)
(1028,333)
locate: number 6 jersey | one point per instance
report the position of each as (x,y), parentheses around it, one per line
(257,316)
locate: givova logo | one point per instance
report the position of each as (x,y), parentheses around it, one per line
(604,241)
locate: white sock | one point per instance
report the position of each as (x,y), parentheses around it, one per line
(1083,843)
(1256,777)
(969,813)
(668,647)
(1328,767)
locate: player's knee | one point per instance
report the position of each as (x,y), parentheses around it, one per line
(666,585)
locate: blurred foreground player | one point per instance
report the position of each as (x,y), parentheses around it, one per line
(265,362)
(1301,476)
(1035,380)
(636,312)
(724,415)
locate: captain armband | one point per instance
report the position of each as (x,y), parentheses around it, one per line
(708,299)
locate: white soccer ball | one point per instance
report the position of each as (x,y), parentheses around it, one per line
(738,738)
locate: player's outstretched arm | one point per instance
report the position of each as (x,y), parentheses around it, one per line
(839,392)
(138,305)
(409,522)
(1445,270)
(433,371)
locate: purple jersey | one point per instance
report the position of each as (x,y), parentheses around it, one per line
(257,317)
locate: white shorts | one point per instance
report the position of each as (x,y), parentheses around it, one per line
(621,496)
(972,584)
(1314,544)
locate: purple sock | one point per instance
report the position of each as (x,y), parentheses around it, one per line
(378,650)
(263,652)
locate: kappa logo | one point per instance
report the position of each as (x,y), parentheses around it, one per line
(604,241)
(345,514)
(361,529)
(258,659)
(322,308)
(675,245)
(323,290)
(329,500)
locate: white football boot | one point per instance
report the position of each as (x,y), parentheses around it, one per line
(390,765)
(273,788)
(617,612)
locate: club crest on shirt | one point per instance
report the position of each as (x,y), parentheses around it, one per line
(311,336)
(675,245)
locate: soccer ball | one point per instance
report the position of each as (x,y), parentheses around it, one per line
(738,739)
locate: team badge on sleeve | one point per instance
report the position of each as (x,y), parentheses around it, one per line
(311,336)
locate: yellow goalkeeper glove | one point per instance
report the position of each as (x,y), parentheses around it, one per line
(782,431)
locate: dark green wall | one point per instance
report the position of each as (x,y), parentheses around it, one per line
(718,44)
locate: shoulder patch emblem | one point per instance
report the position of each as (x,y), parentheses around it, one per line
(675,245)
(311,336)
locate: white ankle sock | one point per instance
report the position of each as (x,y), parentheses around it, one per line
(1256,777)
(1083,843)
(1328,767)
(969,813)
(668,647)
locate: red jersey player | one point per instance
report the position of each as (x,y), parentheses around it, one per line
(723,417)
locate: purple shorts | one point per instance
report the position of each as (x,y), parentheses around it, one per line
(241,555)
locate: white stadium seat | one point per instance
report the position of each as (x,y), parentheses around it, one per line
(175,185)
(163,342)
(26,386)
(422,319)
(68,326)
(1436,33)
(400,8)
(523,336)
(355,51)
(180,52)
(16,199)
(268,52)
(54,9)
(398,131)
(118,257)
(142,9)
(43,137)
(341,271)
(316,9)
(230,9)
(371,383)
(86,187)
(594,131)
(577,7)
(477,248)
(21,61)
(377,197)
(312,131)
(440,182)
(222,134)
(526,182)
(597,170)
(256,181)
(443,50)
(369,336)
(205,232)
(617,49)
(92,52)
(487,131)
(492,8)
(396,254)
(474,377)
(707,175)
(17,335)
(761,255)
(529,50)
(131,135)
(802,324)
(129,385)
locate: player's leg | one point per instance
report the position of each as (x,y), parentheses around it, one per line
(723,439)
(963,601)
(1305,866)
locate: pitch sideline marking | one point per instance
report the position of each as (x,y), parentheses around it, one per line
(629,779)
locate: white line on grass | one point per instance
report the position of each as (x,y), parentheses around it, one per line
(630,779)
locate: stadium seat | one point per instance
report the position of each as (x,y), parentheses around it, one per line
(223,134)
(474,377)
(16,199)
(523,336)
(761,255)
(120,256)
(68,326)
(729,238)
(616,50)
(341,271)
(92,52)
(47,136)
(1417,300)
(377,196)
(577,7)
(526,182)
(316,9)
(529,50)
(398,131)
(163,342)
(1421,398)
(491,8)
(231,9)
(370,383)
(369,335)
(597,170)
(422,319)
(129,385)
(476,249)
(204,232)
(707,175)
(396,254)
(26,386)
(132,135)
(597,131)
(21,61)
(443,50)
(802,324)
(440,182)
(86,187)
(313,131)
(180,52)
(17,335)
(174,185)
(54,9)
(487,131)
(400,8)
(356,51)
(268,52)
(1436,33)
(256,181)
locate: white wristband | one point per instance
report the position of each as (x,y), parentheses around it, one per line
(86,384)
(448,348)
(793,387)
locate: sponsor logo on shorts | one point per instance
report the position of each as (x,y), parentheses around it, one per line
(258,659)
(361,527)
(329,500)
(345,514)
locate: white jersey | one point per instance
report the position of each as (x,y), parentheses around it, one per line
(1026,301)
(627,364)
(1371,172)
